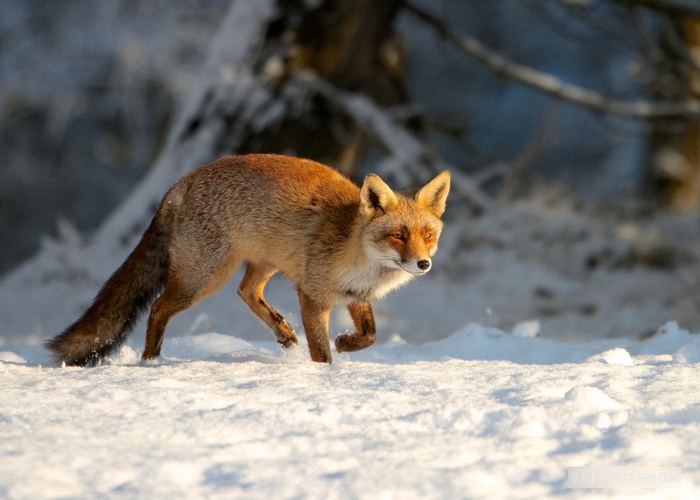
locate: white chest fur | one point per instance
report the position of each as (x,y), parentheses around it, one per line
(371,282)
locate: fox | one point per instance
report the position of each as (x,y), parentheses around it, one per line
(339,243)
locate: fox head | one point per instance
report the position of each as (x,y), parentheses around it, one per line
(402,230)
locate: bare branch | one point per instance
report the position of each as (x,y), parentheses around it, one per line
(544,82)
(577,4)
(677,7)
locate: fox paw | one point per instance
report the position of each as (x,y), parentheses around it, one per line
(353,342)
(340,343)
(288,342)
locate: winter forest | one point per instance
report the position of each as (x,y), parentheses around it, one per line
(567,280)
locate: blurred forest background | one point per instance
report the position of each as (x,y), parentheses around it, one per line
(572,127)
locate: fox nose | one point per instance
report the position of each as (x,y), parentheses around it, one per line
(423,265)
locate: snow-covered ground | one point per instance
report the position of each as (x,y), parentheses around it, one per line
(442,411)
(480,414)
(504,407)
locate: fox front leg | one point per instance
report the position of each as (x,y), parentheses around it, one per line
(315,318)
(251,291)
(366,334)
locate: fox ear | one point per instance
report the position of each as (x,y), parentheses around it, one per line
(375,195)
(434,194)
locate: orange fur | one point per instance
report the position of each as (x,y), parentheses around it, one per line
(340,244)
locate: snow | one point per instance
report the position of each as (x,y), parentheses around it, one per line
(448,404)
(481,413)
(474,389)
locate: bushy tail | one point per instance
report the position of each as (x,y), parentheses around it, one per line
(125,295)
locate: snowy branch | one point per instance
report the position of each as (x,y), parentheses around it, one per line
(544,82)
(405,150)
(190,141)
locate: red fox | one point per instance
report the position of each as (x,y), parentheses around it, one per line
(340,244)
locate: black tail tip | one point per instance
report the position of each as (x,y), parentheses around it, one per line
(60,357)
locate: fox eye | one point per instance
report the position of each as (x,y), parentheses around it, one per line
(428,236)
(397,236)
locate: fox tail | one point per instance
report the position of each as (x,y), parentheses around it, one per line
(127,293)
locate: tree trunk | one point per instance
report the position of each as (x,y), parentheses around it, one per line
(673,170)
(348,43)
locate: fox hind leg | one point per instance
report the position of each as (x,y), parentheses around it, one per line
(171,302)
(187,284)
(251,291)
